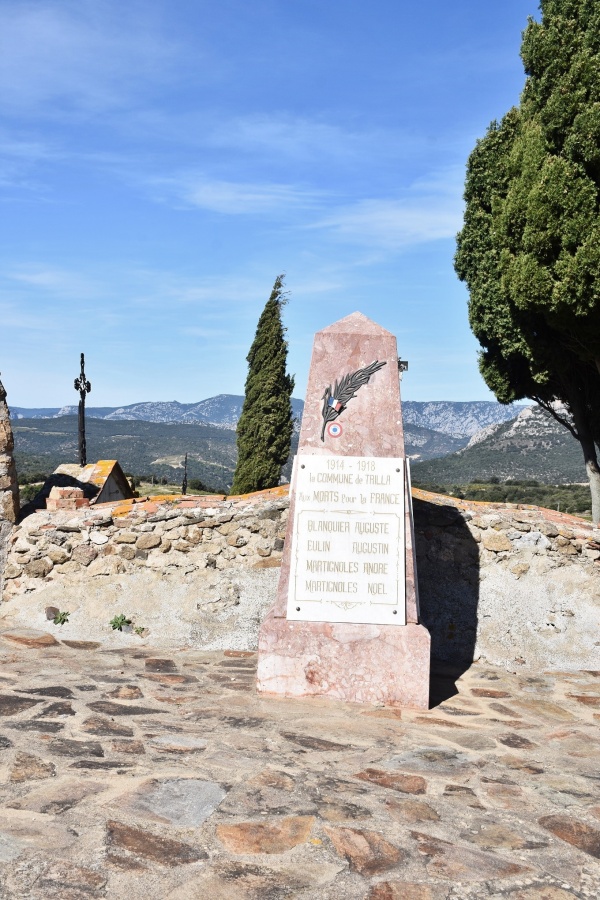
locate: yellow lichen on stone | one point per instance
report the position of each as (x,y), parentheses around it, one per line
(101,471)
(281,490)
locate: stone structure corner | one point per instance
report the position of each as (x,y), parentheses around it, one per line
(9,488)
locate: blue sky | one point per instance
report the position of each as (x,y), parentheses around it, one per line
(162,162)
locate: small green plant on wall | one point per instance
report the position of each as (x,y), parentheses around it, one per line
(119,622)
(61,617)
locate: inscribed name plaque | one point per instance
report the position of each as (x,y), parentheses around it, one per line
(348,546)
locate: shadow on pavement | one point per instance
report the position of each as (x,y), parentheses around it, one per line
(448,572)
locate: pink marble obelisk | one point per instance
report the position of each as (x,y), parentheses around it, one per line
(345,661)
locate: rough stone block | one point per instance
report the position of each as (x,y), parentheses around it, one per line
(495,541)
(148,541)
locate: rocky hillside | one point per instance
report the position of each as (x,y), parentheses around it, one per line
(457,419)
(158,448)
(533,445)
(425,443)
(141,447)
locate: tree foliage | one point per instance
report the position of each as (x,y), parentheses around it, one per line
(568,498)
(529,249)
(264,431)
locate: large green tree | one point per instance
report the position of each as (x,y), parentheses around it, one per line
(264,431)
(529,250)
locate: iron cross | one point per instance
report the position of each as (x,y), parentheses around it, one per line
(84,387)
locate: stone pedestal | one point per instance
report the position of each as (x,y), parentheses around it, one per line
(345,661)
(358,663)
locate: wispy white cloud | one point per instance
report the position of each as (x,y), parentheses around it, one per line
(18,158)
(26,320)
(50,287)
(61,282)
(392,224)
(304,138)
(25,151)
(210,333)
(275,138)
(231,197)
(219,297)
(429,210)
(447,181)
(319,284)
(77,55)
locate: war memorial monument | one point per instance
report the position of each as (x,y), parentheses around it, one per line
(345,623)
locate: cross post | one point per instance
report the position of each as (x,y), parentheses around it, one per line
(184,482)
(84,387)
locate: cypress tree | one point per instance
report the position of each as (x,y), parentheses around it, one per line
(529,250)
(264,431)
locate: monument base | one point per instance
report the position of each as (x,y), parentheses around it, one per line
(386,664)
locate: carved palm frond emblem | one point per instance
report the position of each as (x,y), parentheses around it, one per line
(336,400)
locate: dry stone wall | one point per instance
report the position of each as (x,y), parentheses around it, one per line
(518,587)
(193,572)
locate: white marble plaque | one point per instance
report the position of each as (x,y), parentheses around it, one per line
(348,546)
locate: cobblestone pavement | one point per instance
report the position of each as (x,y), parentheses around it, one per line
(127,774)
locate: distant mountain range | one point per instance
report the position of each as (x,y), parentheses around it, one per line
(534,445)
(458,420)
(447,442)
(432,429)
(222,411)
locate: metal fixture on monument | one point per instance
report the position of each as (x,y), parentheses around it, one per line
(84,387)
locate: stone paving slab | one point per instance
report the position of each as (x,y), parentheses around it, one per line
(134,774)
